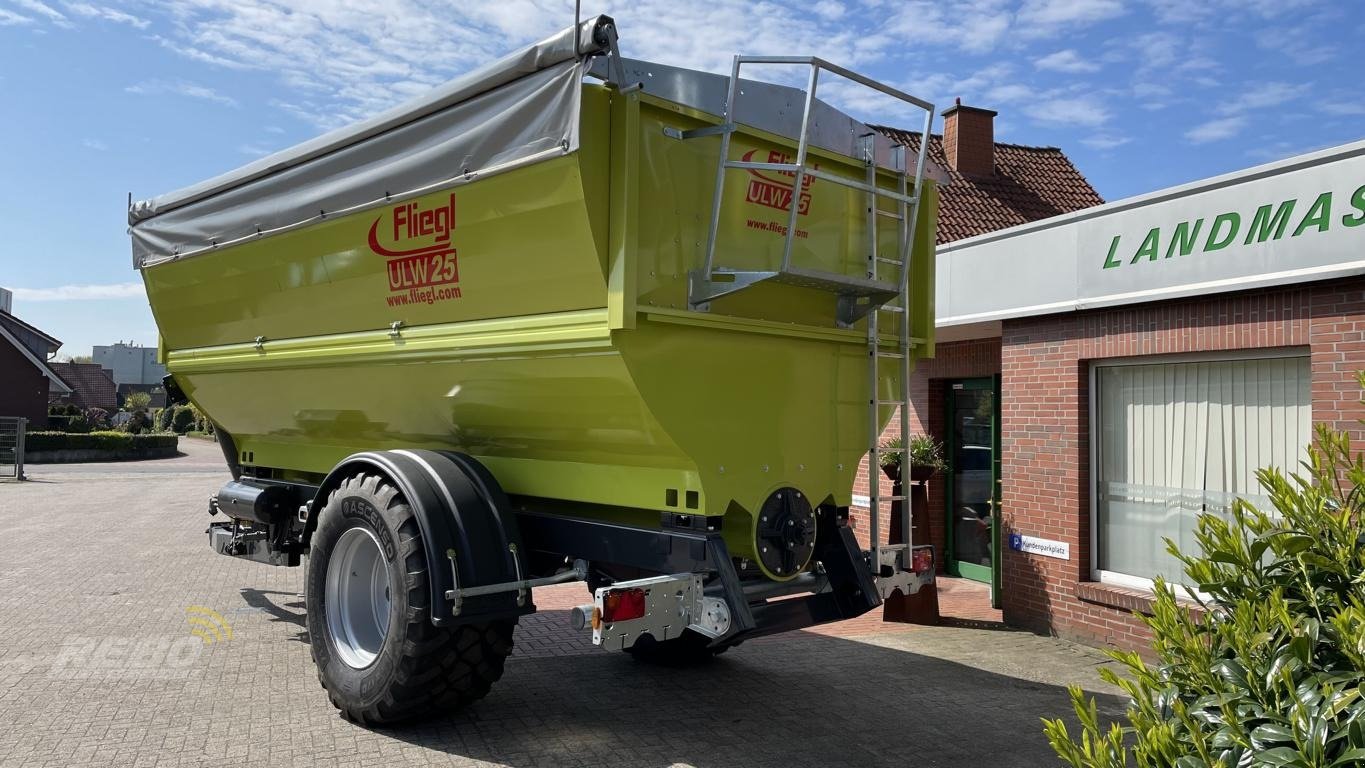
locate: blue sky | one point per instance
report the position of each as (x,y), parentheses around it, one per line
(102,98)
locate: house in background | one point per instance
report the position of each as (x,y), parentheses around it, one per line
(26,370)
(89,385)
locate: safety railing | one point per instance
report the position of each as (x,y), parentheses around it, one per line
(858,295)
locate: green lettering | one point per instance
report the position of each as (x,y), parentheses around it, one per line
(1217,241)
(1262,222)
(1185,236)
(1149,247)
(1358,203)
(1109,262)
(1320,215)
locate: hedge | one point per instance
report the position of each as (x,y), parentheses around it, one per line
(122,444)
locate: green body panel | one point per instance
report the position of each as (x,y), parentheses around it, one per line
(568,363)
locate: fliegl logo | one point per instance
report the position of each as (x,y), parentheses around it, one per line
(774,188)
(416,241)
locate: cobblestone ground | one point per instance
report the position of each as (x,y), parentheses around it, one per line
(103,566)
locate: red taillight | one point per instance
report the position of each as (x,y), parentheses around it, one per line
(623,605)
(922,560)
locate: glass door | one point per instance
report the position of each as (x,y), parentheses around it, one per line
(973,492)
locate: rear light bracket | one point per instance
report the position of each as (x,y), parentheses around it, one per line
(671,604)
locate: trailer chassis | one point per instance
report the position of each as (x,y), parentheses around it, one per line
(687,563)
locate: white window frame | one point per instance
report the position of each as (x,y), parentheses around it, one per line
(1122,579)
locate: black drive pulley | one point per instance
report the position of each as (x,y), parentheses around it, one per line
(786,532)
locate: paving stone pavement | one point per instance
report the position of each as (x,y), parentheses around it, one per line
(102,565)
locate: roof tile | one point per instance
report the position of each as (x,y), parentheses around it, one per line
(92,385)
(1030,183)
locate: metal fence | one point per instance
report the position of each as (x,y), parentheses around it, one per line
(12,446)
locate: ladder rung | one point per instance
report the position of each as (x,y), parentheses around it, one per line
(895,355)
(890,308)
(885,260)
(889,214)
(893,547)
(891,402)
(877,499)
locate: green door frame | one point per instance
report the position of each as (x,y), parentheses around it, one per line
(974,571)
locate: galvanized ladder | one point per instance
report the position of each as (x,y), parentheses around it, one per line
(897,555)
(868,297)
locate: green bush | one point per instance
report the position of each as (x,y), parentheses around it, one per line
(125,445)
(136,401)
(182,420)
(1269,673)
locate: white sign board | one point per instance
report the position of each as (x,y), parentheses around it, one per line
(1036,546)
(1292,221)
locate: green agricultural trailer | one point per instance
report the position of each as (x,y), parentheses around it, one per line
(571,317)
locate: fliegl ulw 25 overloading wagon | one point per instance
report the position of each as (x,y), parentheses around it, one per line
(569,317)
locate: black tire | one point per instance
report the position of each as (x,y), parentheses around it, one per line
(688,649)
(419,669)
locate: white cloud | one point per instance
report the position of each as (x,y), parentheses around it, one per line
(180,88)
(80,292)
(1010,93)
(975,26)
(1303,44)
(1066,61)
(1046,17)
(44,10)
(1104,141)
(1345,108)
(9,18)
(1260,96)
(254,150)
(106,13)
(1216,130)
(829,9)
(1180,11)
(343,61)
(94,144)
(1082,111)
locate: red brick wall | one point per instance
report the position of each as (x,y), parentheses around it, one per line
(953,360)
(1045,423)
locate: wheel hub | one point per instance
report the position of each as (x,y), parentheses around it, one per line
(357,597)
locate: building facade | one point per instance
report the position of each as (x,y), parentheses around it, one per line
(129,364)
(26,374)
(1105,377)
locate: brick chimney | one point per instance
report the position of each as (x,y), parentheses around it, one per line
(969,139)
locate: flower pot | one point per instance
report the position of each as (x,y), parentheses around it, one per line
(893,472)
(919,474)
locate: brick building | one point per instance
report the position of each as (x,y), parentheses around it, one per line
(1105,376)
(991,186)
(26,374)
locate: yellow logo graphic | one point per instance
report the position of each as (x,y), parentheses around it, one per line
(208,625)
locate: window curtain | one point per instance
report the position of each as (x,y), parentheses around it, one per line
(1180,439)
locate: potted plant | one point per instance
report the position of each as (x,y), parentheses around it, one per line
(926,457)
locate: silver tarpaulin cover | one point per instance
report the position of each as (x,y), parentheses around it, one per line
(517,110)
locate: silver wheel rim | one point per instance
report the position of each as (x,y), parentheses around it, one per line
(358,597)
